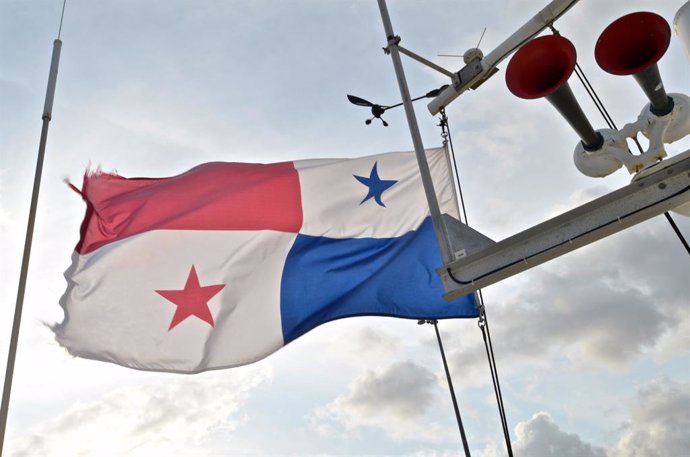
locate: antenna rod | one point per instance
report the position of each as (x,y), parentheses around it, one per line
(47,114)
(434,208)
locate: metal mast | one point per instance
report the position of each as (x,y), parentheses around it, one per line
(434,209)
(47,114)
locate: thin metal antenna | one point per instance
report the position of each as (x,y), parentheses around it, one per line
(463,55)
(47,114)
(480,38)
(62,16)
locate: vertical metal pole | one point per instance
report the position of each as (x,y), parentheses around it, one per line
(450,387)
(434,209)
(47,113)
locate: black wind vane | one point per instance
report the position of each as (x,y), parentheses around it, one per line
(378,110)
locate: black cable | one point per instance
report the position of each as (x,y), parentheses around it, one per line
(450,387)
(677,230)
(599,104)
(594,96)
(445,132)
(483,322)
(488,345)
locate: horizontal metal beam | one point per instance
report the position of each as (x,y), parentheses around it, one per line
(653,192)
(477,71)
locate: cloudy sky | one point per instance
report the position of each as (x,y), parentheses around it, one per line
(593,349)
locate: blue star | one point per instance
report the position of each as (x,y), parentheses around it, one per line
(376,185)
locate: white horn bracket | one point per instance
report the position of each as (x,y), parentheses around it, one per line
(614,152)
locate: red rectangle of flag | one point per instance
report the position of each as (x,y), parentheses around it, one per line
(213,196)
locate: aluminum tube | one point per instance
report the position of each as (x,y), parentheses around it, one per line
(424,171)
(19,306)
(52,79)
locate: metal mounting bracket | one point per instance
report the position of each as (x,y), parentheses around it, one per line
(652,192)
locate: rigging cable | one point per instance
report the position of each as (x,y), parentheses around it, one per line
(677,230)
(445,134)
(483,324)
(483,321)
(609,121)
(461,428)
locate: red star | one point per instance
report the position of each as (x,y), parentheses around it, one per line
(192,300)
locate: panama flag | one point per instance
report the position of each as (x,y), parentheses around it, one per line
(226,263)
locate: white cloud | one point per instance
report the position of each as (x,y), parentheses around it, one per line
(362,339)
(150,419)
(657,427)
(396,400)
(659,422)
(675,341)
(373,344)
(542,437)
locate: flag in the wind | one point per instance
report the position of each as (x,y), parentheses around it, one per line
(228,262)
